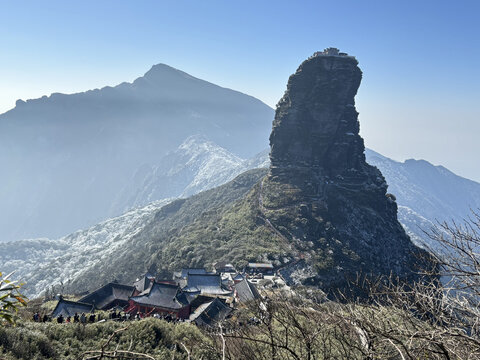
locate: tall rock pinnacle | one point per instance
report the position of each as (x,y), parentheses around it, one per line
(316,126)
(320,192)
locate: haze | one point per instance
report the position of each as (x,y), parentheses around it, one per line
(420,60)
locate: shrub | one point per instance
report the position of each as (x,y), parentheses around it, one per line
(10,299)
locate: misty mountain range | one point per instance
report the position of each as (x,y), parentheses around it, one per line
(66,159)
(196,165)
(73,161)
(426,194)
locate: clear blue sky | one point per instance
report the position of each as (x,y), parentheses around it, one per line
(421,59)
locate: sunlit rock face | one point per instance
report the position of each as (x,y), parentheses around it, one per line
(318,171)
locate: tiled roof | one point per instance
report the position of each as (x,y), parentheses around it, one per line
(246,291)
(205,284)
(239,277)
(69,308)
(142,284)
(163,295)
(210,315)
(199,300)
(223,264)
(184,272)
(103,297)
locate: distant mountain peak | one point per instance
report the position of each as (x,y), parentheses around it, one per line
(196,139)
(162,67)
(162,71)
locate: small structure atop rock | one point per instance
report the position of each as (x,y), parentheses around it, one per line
(331,51)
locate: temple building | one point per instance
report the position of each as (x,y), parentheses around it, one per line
(109,296)
(163,299)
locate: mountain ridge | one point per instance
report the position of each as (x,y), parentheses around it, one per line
(430,190)
(53,149)
(149,75)
(196,165)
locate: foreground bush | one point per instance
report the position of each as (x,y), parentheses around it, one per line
(10,299)
(157,338)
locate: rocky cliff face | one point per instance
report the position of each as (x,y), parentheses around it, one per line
(339,217)
(316,127)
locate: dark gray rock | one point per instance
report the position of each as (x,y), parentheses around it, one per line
(339,216)
(316,126)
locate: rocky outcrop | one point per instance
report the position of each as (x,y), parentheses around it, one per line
(340,217)
(316,126)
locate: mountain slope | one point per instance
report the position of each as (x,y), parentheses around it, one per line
(160,242)
(65,158)
(433,191)
(43,262)
(196,165)
(426,193)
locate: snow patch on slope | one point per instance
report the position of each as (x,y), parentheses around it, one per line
(196,165)
(45,262)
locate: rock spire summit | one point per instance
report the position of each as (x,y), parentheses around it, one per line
(334,205)
(316,126)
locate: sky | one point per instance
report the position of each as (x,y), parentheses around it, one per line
(420,59)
